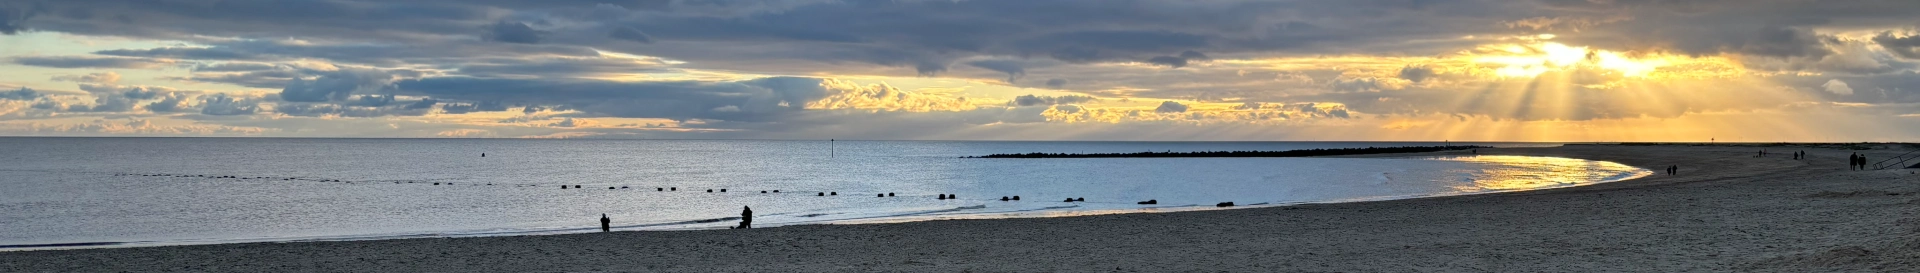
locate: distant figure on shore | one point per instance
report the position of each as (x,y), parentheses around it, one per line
(1863,162)
(1853,161)
(746,217)
(605,224)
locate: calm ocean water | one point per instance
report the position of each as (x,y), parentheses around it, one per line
(163,191)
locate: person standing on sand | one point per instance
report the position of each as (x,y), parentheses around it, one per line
(1853,161)
(746,217)
(605,224)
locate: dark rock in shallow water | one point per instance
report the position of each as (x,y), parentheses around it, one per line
(1082,199)
(1150,202)
(1004,198)
(1224,204)
(822,194)
(1069,200)
(833,193)
(1016,198)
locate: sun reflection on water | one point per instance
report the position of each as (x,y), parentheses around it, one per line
(1506,173)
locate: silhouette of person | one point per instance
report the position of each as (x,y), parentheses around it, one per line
(605,224)
(1853,161)
(1863,162)
(746,217)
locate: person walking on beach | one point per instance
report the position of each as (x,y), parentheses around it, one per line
(605,224)
(1853,161)
(746,217)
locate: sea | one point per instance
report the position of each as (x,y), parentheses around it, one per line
(60,193)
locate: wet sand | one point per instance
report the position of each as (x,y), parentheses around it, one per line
(1726,211)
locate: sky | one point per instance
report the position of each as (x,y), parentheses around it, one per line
(1202,70)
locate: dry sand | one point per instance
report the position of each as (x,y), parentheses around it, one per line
(1726,211)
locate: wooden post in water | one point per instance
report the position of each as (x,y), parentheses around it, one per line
(832,151)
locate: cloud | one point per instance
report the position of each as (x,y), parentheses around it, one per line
(1169,61)
(463,108)
(232,67)
(135,127)
(630,34)
(173,102)
(90,62)
(1170,107)
(571,122)
(761,99)
(22,94)
(513,32)
(1033,100)
(1416,73)
(335,85)
(1905,46)
(1368,84)
(12,14)
(1837,87)
(196,53)
(1056,83)
(225,105)
(103,78)
(1013,69)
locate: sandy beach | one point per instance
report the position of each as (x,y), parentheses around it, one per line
(1725,211)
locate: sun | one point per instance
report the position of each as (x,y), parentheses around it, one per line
(1531,60)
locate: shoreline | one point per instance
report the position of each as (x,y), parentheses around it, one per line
(1725,212)
(959,214)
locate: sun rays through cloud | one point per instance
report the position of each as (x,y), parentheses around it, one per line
(1215,70)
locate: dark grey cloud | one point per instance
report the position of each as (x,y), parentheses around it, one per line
(1013,69)
(630,34)
(232,67)
(335,85)
(754,100)
(513,32)
(1906,47)
(1416,73)
(225,105)
(559,67)
(89,62)
(463,108)
(22,94)
(324,109)
(1170,107)
(1056,83)
(256,79)
(1169,61)
(173,102)
(12,14)
(196,53)
(1034,100)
